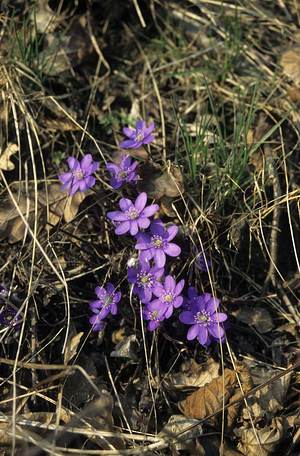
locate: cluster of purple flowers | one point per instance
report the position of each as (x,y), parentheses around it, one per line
(80,175)
(157,290)
(107,303)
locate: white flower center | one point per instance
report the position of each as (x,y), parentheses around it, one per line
(145,280)
(78,174)
(168,297)
(132,213)
(139,135)
(202,318)
(157,241)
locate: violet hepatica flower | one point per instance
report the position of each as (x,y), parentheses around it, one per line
(138,136)
(105,304)
(154,316)
(144,277)
(133,216)
(157,244)
(169,296)
(191,299)
(9,317)
(122,173)
(79,177)
(202,262)
(205,320)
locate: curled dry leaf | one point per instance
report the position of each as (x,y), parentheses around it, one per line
(60,205)
(5,163)
(43,18)
(259,317)
(71,347)
(127,348)
(210,398)
(262,442)
(157,184)
(269,399)
(63,52)
(290,62)
(246,385)
(192,374)
(176,425)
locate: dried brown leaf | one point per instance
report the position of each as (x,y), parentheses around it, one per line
(60,205)
(157,184)
(259,317)
(210,398)
(247,385)
(262,442)
(71,347)
(62,52)
(269,399)
(290,62)
(176,425)
(43,18)
(5,163)
(192,374)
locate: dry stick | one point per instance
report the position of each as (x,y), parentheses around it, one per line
(139,13)
(273,175)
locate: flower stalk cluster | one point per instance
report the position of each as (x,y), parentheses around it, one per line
(159,292)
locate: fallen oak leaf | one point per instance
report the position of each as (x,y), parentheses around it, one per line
(209,398)
(193,375)
(59,204)
(260,442)
(157,184)
(5,163)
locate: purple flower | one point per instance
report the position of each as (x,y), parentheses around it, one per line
(80,175)
(124,172)
(9,317)
(157,244)
(191,299)
(97,323)
(154,315)
(133,216)
(205,319)
(144,279)
(168,296)
(141,135)
(202,262)
(105,304)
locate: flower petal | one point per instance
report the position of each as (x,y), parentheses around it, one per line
(170,283)
(129,132)
(86,162)
(202,335)
(150,210)
(65,177)
(172,231)
(143,222)
(212,304)
(123,228)
(172,250)
(178,302)
(220,317)
(187,318)
(125,204)
(216,331)
(117,216)
(179,287)
(73,163)
(134,228)
(160,258)
(141,201)
(193,332)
